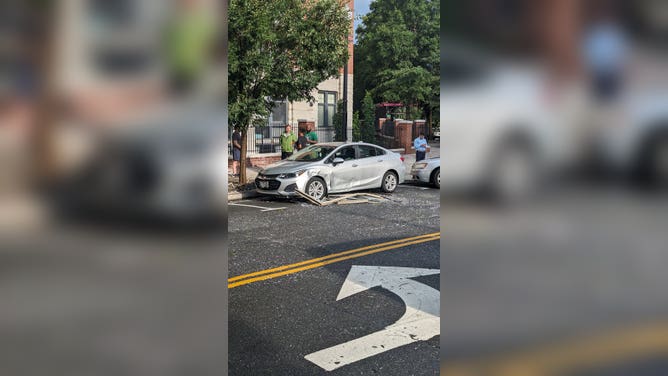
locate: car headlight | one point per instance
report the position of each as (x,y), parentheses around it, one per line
(419,166)
(291,174)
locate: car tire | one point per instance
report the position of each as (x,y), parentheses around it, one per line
(316,188)
(389,182)
(513,174)
(436,178)
(652,167)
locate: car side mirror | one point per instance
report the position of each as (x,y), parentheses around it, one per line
(337,160)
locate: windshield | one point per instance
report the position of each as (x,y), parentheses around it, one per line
(312,153)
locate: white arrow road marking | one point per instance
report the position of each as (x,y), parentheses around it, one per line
(420,322)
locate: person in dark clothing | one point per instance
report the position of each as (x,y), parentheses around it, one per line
(302,141)
(236,151)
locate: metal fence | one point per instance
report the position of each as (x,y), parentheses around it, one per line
(388,128)
(266,140)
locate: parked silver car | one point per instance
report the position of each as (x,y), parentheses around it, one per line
(171,166)
(428,171)
(333,168)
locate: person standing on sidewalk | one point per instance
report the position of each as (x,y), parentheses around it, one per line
(302,142)
(420,145)
(236,151)
(287,140)
(311,136)
(605,51)
(188,43)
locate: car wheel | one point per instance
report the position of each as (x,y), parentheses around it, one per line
(316,188)
(653,165)
(660,163)
(390,182)
(513,174)
(436,178)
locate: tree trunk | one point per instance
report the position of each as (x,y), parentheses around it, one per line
(242,162)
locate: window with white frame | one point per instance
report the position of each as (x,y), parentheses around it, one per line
(326,108)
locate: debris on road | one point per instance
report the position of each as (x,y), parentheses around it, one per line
(347,199)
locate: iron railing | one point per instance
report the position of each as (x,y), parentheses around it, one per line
(266,140)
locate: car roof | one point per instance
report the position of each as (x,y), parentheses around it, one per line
(337,144)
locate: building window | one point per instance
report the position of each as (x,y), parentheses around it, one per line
(326,108)
(277,120)
(108,24)
(279,114)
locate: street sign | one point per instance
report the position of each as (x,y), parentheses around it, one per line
(420,322)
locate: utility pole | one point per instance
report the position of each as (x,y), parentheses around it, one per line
(344,122)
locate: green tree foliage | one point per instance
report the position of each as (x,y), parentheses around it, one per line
(357,133)
(397,54)
(280,49)
(368,121)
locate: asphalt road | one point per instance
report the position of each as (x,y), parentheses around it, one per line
(275,323)
(576,279)
(105,300)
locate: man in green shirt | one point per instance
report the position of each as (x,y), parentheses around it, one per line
(189,40)
(287,140)
(311,136)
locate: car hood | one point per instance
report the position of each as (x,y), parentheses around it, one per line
(284,167)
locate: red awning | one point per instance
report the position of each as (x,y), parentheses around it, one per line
(389,104)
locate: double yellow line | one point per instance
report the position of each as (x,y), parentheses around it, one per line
(326,260)
(608,348)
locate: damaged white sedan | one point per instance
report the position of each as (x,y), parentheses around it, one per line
(326,168)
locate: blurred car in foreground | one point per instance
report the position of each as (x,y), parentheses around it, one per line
(428,171)
(326,168)
(529,131)
(172,167)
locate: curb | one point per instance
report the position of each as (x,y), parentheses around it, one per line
(236,196)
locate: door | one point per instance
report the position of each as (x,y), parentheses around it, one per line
(371,166)
(345,176)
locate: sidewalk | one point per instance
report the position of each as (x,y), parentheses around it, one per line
(235,193)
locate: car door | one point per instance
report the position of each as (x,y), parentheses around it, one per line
(371,166)
(344,176)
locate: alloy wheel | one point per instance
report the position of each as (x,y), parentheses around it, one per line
(316,189)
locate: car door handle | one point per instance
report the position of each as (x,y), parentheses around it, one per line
(380,160)
(354,165)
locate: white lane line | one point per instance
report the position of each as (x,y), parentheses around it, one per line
(264,209)
(415,187)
